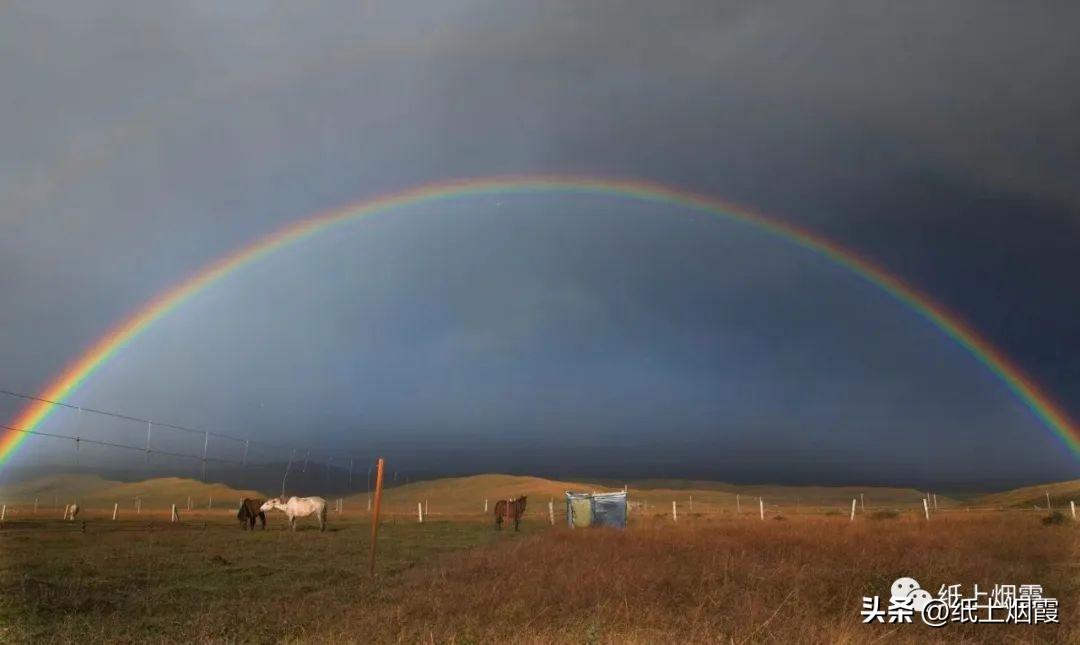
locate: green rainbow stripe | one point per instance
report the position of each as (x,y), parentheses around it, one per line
(1051,414)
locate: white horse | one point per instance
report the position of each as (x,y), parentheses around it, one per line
(299,507)
(71,511)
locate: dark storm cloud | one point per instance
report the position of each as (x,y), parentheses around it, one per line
(142,142)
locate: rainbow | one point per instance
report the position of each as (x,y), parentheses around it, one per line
(91,360)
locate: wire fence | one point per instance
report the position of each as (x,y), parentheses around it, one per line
(158,438)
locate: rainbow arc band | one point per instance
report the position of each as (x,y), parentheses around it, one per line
(97,355)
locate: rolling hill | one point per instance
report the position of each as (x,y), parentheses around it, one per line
(1027,497)
(92,491)
(466,495)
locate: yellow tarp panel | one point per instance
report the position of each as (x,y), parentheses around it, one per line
(582,509)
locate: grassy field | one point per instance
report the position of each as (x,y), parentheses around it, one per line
(1031,496)
(704,579)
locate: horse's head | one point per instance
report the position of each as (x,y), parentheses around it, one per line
(271,504)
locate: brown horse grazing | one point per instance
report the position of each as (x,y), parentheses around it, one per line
(249,510)
(510,509)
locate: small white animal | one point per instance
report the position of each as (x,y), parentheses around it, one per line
(299,507)
(70,511)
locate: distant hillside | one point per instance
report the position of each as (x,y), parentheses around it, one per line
(1060,495)
(92,491)
(810,496)
(466,495)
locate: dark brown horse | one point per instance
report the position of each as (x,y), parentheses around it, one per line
(511,509)
(249,510)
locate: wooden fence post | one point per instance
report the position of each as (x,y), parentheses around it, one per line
(852,509)
(926,508)
(420,511)
(174,517)
(138,505)
(3,512)
(738,506)
(674,511)
(1072,506)
(35,506)
(375,515)
(115,508)
(551,511)
(862,504)
(691,504)
(210,504)
(485,505)
(761,507)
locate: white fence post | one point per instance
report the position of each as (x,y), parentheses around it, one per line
(1072,507)
(420,511)
(674,511)
(852,509)
(174,517)
(551,511)
(369,501)
(738,507)
(485,505)
(425,507)
(138,505)
(3,512)
(926,508)
(761,507)
(115,508)
(691,504)
(35,506)
(210,504)
(862,504)
(1048,506)
(935,502)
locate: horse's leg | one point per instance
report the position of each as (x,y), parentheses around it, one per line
(262,519)
(292,523)
(517,520)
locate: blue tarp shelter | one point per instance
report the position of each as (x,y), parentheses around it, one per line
(595,509)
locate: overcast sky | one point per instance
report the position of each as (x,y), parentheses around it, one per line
(559,334)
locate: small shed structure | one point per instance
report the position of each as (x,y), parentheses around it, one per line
(596,509)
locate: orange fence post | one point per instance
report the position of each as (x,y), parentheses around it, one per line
(375,514)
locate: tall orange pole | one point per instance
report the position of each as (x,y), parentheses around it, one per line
(375,514)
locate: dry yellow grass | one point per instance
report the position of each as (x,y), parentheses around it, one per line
(721,579)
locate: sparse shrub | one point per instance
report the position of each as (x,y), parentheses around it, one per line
(780,518)
(885,514)
(1057,517)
